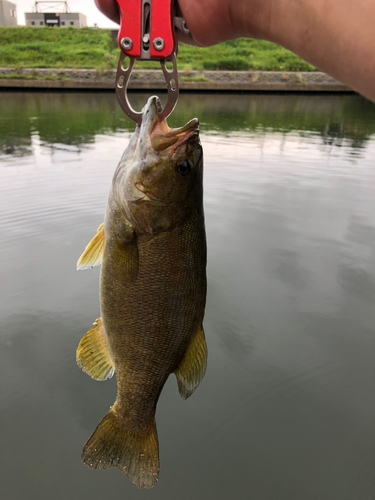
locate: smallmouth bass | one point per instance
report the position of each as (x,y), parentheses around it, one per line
(152,249)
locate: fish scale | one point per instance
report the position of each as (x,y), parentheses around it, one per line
(152,248)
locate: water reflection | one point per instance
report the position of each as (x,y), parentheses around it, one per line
(286,409)
(60,120)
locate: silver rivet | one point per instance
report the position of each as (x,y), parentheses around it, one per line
(126,43)
(184,27)
(158,44)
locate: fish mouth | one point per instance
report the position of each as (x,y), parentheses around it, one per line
(163,137)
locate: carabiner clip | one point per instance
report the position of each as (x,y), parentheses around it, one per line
(122,81)
(147,33)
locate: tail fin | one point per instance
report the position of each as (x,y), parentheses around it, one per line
(136,455)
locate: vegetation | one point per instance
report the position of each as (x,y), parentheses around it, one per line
(73,120)
(89,48)
(56,48)
(243,55)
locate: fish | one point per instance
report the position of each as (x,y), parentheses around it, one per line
(152,251)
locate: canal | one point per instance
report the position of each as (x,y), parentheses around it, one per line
(286,410)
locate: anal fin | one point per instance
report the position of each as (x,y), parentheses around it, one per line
(191,369)
(92,254)
(93,354)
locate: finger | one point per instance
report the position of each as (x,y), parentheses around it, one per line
(186,39)
(109,9)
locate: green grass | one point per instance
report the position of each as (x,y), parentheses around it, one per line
(89,48)
(17,76)
(243,55)
(56,48)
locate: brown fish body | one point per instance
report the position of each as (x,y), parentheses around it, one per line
(151,319)
(152,249)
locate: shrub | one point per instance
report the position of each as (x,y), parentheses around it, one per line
(230,64)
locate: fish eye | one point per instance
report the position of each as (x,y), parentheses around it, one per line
(184,167)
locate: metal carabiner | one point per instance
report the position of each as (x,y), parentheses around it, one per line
(122,81)
(149,36)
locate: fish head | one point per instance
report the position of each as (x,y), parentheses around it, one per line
(160,178)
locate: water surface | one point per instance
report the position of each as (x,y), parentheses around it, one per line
(287,408)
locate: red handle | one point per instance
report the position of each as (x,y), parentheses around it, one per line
(130,25)
(162,39)
(162,27)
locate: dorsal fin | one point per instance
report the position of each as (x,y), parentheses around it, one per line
(92,254)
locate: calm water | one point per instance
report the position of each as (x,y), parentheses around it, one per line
(287,407)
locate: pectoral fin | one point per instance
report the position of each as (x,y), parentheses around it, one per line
(92,254)
(192,368)
(93,354)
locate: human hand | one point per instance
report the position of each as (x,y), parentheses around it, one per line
(335,36)
(213,21)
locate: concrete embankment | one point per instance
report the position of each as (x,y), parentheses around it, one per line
(261,81)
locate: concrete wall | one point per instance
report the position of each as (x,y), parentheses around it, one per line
(74,19)
(78,20)
(8,13)
(33,19)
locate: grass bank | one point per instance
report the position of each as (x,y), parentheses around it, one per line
(23,47)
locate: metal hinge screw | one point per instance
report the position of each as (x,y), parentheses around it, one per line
(158,44)
(126,43)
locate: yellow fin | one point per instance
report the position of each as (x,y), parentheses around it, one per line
(92,254)
(113,445)
(192,368)
(93,354)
